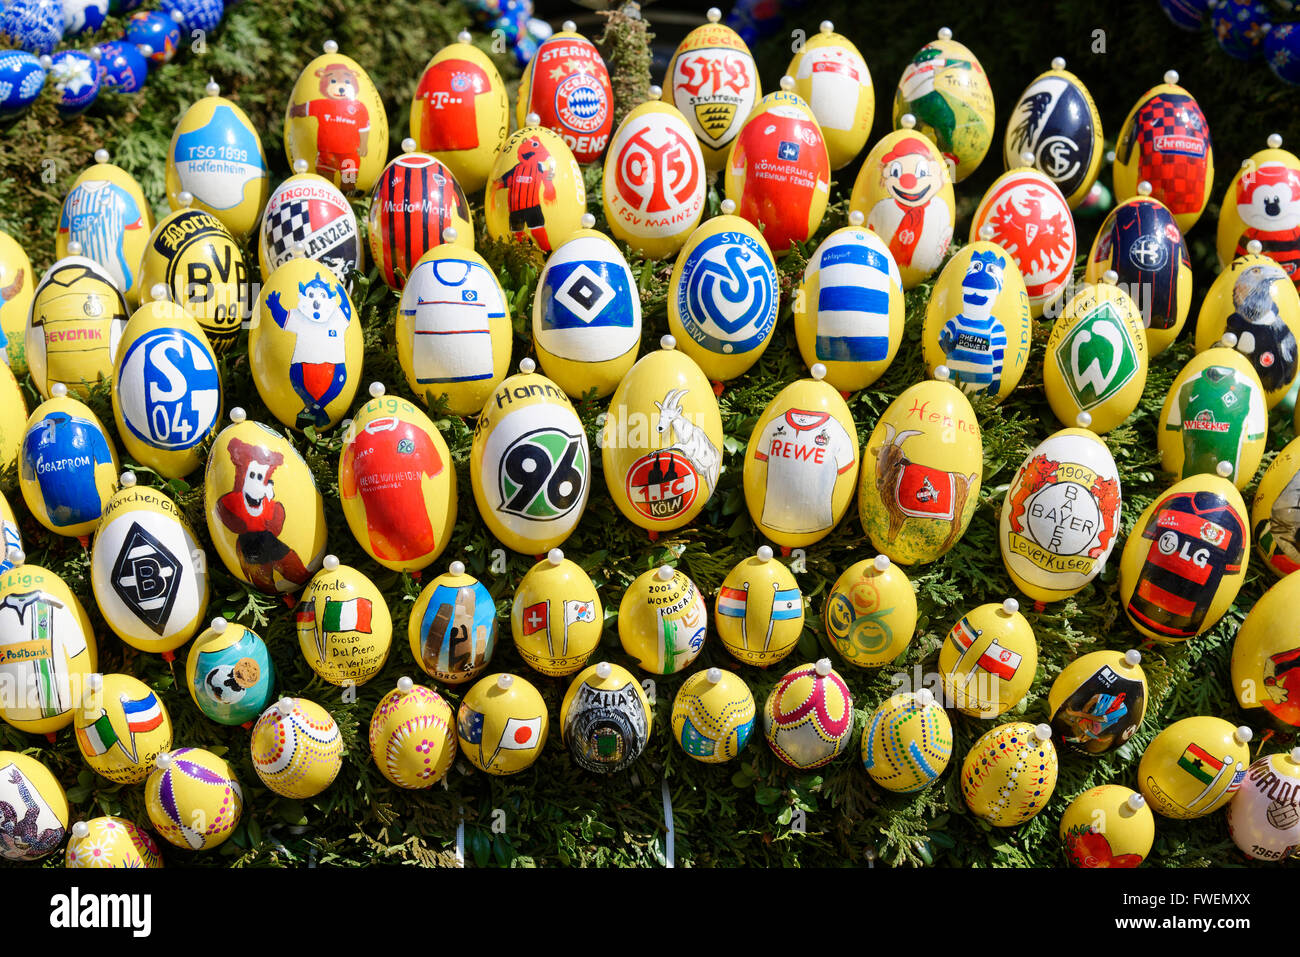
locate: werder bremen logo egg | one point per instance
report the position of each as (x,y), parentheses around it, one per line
(1096,357)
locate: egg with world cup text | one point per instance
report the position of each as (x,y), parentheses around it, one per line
(713,80)
(67,467)
(75,326)
(229,673)
(605,719)
(106,212)
(566,83)
(870,613)
(763,631)
(344,627)
(662,620)
(833,79)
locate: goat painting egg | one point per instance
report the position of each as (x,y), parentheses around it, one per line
(1214,420)
(713,80)
(870,613)
(1262,203)
(832,78)
(763,631)
(566,84)
(1275,514)
(229,673)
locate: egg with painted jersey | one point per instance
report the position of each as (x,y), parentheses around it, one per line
(453,627)
(157,31)
(778,171)
(1142,243)
(978,321)
(148,571)
(848,308)
(75,326)
(1031,221)
(67,467)
(801,464)
(1102,828)
(460,112)
(335,120)
(723,297)
(13,419)
(763,631)
(1275,514)
(265,515)
(946,89)
(1165,141)
(47,648)
(662,620)
(397,484)
(11,538)
(605,719)
(193,799)
(22,78)
(229,673)
(907,742)
(453,329)
(502,725)
(412,205)
(1185,559)
(904,190)
(28,787)
(1262,202)
(713,716)
(344,626)
(920,476)
(167,392)
(1057,121)
(1194,767)
(587,315)
(661,446)
(833,79)
(107,213)
(566,84)
(17,289)
(870,613)
(412,737)
(33,25)
(654,186)
(1266,654)
(1009,774)
(216,156)
(1096,361)
(1255,300)
(808,716)
(556,618)
(988,660)
(113,842)
(1264,815)
(306,217)
(121,727)
(1061,515)
(713,80)
(125,68)
(297,748)
(1098,701)
(1215,420)
(535,192)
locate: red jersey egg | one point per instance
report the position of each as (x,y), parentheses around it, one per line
(415,200)
(567,85)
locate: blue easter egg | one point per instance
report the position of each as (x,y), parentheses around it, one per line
(1282,51)
(83,16)
(76,80)
(123,6)
(21,80)
(1240,26)
(157,31)
(196,14)
(125,68)
(34,25)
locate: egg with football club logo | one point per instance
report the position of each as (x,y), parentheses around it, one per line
(920,476)
(106,212)
(1010,773)
(13,421)
(397,483)
(535,192)
(778,171)
(559,645)
(1264,815)
(848,307)
(978,321)
(75,326)
(904,190)
(946,89)
(761,632)
(1096,361)
(1262,202)
(306,217)
(229,673)
(216,157)
(1266,654)
(111,842)
(147,570)
(297,748)
(1098,701)
(453,329)
(121,727)
(1275,514)
(566,83)
(47,648)
(17,289)
(530,464)
(11,538)
(587,314)
(1215,420)
(833,79)
(305,333)
(808,716)
(1059,521)
(654,185)
(662,620)
(1165,141)
(412,737)
(265,515)
(167,392)
(336,121)
(1194,767)
(1185,559)
(723,296)
(713,80)
(343,623)
(1108,826)
(413,203)
(193,799)
(661,445)
(907,742)
(453,627)
(502,724)
(67,467)
(870,613)
(27,784)
(1057,123)
(605,719)
(460,112)
(988,660)
(713,715)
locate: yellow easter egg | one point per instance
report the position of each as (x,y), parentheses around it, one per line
(344,626)
(566,84)
(397,483)
(948,92)
(1262,202)
(121,727)
(1215,420)
(870,613)
(75,326)
(307,217)
(67,467)
(833,79)
(453,627)
(763,631)
(535,192)
(605,719)
(193,799)
(1275,514)
(1107,826)
(265,514)
(559,645)
(167,392)
(904,189)
(229,673)
(713,80)
(412,208)
(460,112)
(13,419)
(1194,766)
(412,738)
(920,476)
(297,748)
(1266,654)
(661,446)
(662,620)
(335,120)
(1264,815)
(106,212)
(111,842)
(502,724)
(713,716)
(808,716)
(1098,701)
(1185,559)
(17,288)
(453,329)
(988,660)
(1057,122)
(27,784)
(11,538)
(1009,773)
(907,742)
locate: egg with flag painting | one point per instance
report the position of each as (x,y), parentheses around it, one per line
(121,727)
(229,673)
(193,799)
(111,842)
(67,467)
(560,645)
(907,742)
(1010,773)
(763,631)
(1057,123)
(1264,816)
(605,719)
(870,613)
(22,78)
(1275,514)
(989,659)
(502,724)
(1215,420)
(1266,654)
(535,191)
(662,620)
(74,327)
(1099,700)
(343,623)
(453,627)
(713,715)
(307,217)
(1194,767)
(1107,826)
(713,80)
(106,212)
(566,83)
(17,289)
(832,78)
(412,738)
(414,202)
(28,785)
(808,716)
(1262,202)
(297,748)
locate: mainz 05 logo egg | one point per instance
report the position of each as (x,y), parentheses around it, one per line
(542,474)
(727,295)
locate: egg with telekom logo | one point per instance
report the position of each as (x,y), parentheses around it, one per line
(713,80)
(989,660)
(870,612)
(566,84)
(344,626)
(556,618)
(67,466)
(535,192)
(762,631)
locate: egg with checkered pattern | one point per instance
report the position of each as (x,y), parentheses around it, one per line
(907,742)
(111,842)
(713,715)
(808,716)
(193,798)
(413,736)
(1009,774)
(297,748)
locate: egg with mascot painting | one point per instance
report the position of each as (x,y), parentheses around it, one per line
(1262,202)
(535,191)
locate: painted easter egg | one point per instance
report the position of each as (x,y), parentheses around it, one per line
(1098,701)
(1056,121)
(1215,420)
(67,468)
(907,742)
(76,78)
(1010,773)
(1264,815)
(75,326)
(1107,826)
(558,645)
(453,627)
(194,15)
(154,34)
(229,673)
(760,632)
(566,83)
(121,727)
(1266,654)
(107,213)
(13,418)
(34,25)
(605,719)
(502,724)
(343,623)
(808,716)
(535,192)
(22,78)
(412,205)
(662,620)
(1282,52)
(125,68)
(412,736)
(1194,767)
(1262,202)
(713,80)
(306,217)
(27,786)
(17,289)
(713,715)
(111,842)
(297,748)
(988,660)
(870,613)
(832,78)
(11,539)
(193,799)
(1275,514)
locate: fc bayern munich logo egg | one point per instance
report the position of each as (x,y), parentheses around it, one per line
(567,85)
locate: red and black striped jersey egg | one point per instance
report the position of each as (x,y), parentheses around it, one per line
(414,201)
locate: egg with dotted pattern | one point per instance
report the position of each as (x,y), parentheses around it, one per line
(193,798)
(713,715)
(662,620)
(297,748)
(413,736)
(1010,773)
(907,743)
(111,842)
(28,787)
(808,716)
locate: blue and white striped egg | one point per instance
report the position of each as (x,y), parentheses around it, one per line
(21,80)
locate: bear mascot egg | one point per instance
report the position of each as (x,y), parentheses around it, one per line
(1056,121)
(229,673)
(297,748)
(106,212)
(28,788)
(989,660)
(75,326)
(760,632)
(412,206)
(662,620)
(1215,420)
(1266,654)
(535,192)
(1194,767)
(453,627)
(1108,826)
(307,217)
(605,719)
(870,613)
(1099,700)
(713,80)
(67,466)
(1010,773)
(713,716)
(412,736)
(121,727)
(1263,203)
(907,742)
(566,84)
(344,626)
(832,78)
(808,716)
(502,725)
(559,645)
